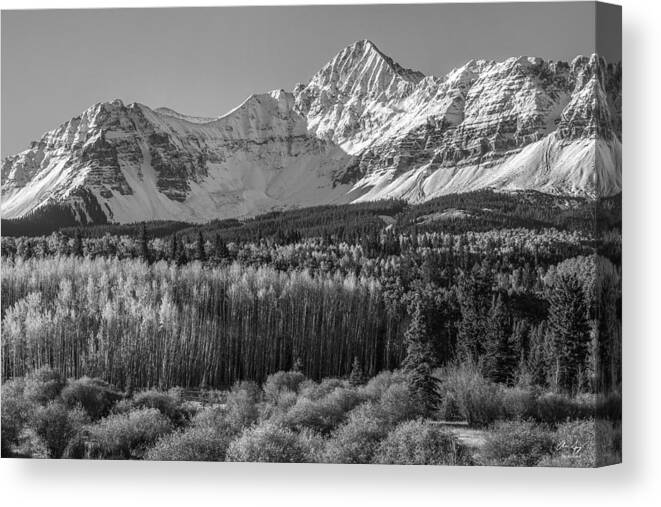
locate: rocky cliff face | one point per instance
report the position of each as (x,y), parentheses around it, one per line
(363,128)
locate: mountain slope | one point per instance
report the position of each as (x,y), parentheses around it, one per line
(363,128)
(518,124)
(141,164)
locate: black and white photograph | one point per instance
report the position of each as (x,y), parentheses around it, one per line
(338,234)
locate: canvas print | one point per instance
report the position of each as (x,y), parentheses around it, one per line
(384,234)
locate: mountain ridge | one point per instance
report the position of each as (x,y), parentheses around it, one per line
(363,128)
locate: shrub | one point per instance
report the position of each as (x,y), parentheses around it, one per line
(324,414)
(378,385)
(242,404)
(554,408)
(397,405)
(479,400)
(94,395)
(56,425)
(211,416)
(197,443)
(214,396)
(314,391)
(16,411)
(167,404)
(286,400)
(421,443)
(313,443)
(282,381)
(43,385)
(517,403)
(357,440)
(449,409)
(273,443)
(517,443)
(126,436)
(79,446)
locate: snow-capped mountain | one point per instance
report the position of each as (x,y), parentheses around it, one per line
(134,163)
(362,128)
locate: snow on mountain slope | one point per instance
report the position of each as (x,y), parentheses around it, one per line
(363,128)
(143,165)
(354,95)
(470,131)
(548,165)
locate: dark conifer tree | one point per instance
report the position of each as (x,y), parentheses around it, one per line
(172,253)
(61,247)
(77,250)
(431,271)
(200,253)
(356,376)
(28,252)
(475,298)
(43,248)
(501,356)
(220,249)
(418,364)
(570,332)
(537,363)
(143,245)
(182,257)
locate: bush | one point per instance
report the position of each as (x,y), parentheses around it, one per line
(397,405)
(449,409)
(286,400)
(43,385)
(324,414)
(378,385)
(126,436)
(167,404)
(56,426)
(315,391)
(556,408)
(282,381)
(212,417)
(16,411)
(358,439)
(241,404)
(272,443)
(421,443)
(480,401)
(202,443)
(94,395)
(517,403)
(517,443)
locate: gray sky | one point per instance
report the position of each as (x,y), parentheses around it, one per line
(205,61)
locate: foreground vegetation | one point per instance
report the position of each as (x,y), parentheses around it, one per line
(500,312)
(294,419)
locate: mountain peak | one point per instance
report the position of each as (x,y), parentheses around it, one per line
(359,71)
(365,52)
